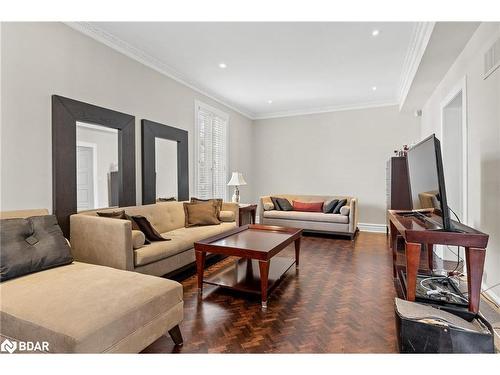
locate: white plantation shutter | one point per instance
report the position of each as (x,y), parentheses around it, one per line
(211,152)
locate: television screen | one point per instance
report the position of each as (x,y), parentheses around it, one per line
(425,170)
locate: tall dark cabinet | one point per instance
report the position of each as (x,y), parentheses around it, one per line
(398,184)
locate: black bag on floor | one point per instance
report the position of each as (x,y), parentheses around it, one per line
(425,329)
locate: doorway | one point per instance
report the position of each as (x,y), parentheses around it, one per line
(454,151)
(86,160)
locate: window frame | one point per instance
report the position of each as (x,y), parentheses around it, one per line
(225,116)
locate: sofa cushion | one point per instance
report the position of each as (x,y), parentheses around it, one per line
(345,210)
(182,239)
(84,308)
(197,213)
(31,245)
(339,205)
(307,216)
(138,239)
(329,206)
(227,216)
(216,201)
(119,215)
(267,203)
(275,203)
(284,204)
(308,206)
(148,229)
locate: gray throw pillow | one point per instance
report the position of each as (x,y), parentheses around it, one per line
(329,206)
(276,204)
(31,245)
(284,204)
(339,205)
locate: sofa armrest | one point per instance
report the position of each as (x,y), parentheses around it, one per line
(103,241)
(234,207)
(353,215)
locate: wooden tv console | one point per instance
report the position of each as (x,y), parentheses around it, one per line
(417,232)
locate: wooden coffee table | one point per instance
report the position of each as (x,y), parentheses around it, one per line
(255,245)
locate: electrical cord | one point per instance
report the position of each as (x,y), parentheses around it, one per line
(442,291)
(459,259)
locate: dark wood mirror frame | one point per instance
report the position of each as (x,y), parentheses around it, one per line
(150,131)
(65,114)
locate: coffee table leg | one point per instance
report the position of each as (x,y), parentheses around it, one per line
(297,251)
(200,266)
(264,275)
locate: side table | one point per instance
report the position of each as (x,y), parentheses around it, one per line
(247,214)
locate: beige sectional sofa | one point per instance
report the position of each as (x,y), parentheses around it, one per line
(86,308)
(311,221)
(109,242)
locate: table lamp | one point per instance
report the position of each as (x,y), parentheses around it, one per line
(236,180)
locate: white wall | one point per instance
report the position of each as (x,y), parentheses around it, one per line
(42,59)
(483,122)
(342,153)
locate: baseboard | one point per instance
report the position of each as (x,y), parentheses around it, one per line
(374,228)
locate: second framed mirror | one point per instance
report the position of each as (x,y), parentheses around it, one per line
(165,170)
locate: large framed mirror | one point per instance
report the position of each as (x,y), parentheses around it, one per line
(93,158)
(165,171)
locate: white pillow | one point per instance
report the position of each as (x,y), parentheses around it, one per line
(268,206)
(345,210)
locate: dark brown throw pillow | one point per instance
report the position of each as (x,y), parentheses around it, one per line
(216,201)
(147,228)
(169,199)
(119,215)
(201,213)
(31,245)
(123,216)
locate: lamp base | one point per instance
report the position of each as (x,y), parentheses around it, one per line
(236,195)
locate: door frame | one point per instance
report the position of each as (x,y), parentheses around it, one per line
(92,146)
(460,87)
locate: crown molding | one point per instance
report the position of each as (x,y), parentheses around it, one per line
(144,58)
(420,38)
(338,108)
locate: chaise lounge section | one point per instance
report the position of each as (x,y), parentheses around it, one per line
(318,222)
(86,308)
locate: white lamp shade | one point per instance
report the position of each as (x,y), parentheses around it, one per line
(236,180)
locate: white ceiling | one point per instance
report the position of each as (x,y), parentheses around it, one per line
(302,67)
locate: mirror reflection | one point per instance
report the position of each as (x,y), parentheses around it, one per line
(97,166)
(166,168)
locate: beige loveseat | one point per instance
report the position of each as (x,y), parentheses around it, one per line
(85,308)
(311,221)
(108,242)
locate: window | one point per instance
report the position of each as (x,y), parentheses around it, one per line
(211,152)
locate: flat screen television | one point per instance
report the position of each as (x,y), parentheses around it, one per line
(425,170)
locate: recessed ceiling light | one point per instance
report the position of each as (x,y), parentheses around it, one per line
(375,32)
(374,88)
(222,66)
(269,101)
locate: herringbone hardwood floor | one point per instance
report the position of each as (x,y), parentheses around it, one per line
(339,301)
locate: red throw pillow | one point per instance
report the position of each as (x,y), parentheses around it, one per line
(308,207)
